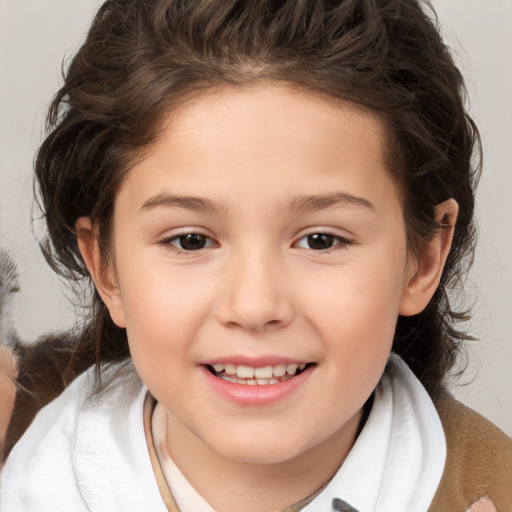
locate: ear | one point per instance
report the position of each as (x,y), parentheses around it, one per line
(102,272)
(426,270)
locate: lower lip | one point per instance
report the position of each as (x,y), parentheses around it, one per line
(254,395)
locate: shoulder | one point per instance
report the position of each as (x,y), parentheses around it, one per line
(83,453)
(41,459)
(478,462)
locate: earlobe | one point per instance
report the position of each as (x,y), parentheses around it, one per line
(428,268)
(102,273)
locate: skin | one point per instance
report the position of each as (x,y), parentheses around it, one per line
(483,505)
(274,165)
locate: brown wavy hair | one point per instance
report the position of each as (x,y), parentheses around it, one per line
(142,57)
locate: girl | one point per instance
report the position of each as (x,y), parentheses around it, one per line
(273,200)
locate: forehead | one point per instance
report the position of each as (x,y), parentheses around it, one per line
(273,134)
(283,107)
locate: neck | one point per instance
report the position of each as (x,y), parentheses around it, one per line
(259,487)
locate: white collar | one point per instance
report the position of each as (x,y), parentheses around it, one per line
(395,464)
(397,461)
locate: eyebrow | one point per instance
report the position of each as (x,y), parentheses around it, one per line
(187,202)
(299,203)
(320,202)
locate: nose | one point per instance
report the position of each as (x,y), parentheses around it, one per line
(256,294)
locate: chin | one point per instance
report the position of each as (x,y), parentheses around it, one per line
(258,450)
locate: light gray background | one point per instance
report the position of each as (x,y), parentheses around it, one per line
(35,35)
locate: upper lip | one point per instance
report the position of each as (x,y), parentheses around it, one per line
(255,362)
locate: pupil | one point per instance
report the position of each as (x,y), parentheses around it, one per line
(192,241)
(320,241)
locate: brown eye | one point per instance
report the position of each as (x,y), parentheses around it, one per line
(320,241)
(190,242)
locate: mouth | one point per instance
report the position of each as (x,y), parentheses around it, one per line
(257,376)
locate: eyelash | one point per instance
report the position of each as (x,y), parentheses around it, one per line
(206,242)
(339,242)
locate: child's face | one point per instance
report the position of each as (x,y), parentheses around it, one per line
(262,230)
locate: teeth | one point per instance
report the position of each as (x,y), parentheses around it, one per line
(230,369)
(245,372)
(263,375)
(291,369)
(279,370)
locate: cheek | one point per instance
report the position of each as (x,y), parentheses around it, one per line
(356,308)
(163,309)
(358,299)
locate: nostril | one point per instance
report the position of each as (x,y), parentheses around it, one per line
(249,323)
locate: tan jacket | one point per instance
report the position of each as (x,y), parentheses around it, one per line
(479,460)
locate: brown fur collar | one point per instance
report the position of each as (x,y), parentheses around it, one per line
(479,460)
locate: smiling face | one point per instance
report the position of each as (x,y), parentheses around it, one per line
(259,265)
